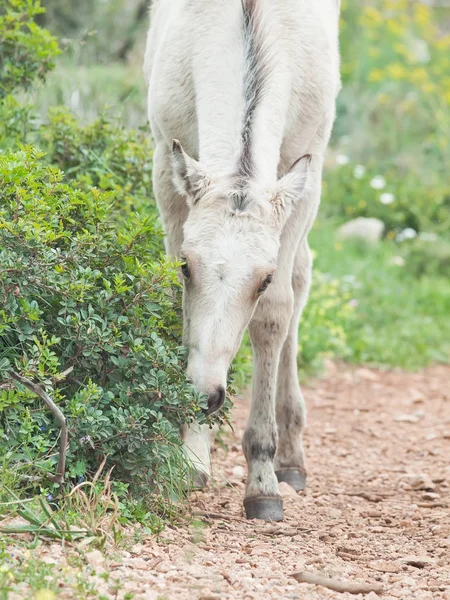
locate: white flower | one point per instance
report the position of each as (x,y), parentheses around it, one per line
(420,51)
(407,234)
(427,237)
(342,159)
(378,182)
(387,198)
(399,261)
(359,171)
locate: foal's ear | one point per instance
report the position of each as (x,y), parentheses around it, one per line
(291,188)
(189,177)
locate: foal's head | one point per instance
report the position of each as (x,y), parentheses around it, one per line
(229,260)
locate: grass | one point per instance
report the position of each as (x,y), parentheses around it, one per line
(31,570)
(400,320)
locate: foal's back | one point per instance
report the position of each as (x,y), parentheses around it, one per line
(195,65)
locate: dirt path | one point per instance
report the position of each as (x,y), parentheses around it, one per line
(376,508)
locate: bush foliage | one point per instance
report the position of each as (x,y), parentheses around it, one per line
(89,311)
(27,50)
(88,314)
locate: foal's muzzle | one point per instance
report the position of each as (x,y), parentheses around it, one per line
(215,400)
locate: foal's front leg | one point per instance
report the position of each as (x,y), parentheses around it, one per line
(268,329)
(174,210)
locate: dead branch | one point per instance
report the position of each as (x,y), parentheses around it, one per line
(351,587)
(214,515)
(59,477)
(290,532)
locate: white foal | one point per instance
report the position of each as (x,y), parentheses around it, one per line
(241,103)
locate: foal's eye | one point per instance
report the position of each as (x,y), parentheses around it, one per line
(185,269)
(265,284)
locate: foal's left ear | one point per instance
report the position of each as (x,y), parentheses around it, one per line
(291,187)
(189,177)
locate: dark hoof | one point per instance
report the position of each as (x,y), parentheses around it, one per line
(294,476)
(199,480)
(266,508)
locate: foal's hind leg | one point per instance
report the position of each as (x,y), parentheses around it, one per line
(174,211)
(290,405)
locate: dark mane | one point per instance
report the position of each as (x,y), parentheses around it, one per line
(254,80)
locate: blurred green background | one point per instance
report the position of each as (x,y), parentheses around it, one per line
(388,159)
(381,285)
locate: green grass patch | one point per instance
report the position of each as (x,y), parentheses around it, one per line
(399,319)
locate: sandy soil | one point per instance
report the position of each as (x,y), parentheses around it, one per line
(376,509)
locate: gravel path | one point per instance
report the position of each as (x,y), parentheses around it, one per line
(376,509)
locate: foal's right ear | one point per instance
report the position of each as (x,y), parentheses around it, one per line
(189,177)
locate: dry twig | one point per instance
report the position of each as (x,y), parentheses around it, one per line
(215,515)
(290,532)
(59,477)
(351,587)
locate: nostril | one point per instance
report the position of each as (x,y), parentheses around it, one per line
(216,400)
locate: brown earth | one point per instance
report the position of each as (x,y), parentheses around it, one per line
(376,508)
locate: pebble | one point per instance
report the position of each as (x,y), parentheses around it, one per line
(286,490)
(431,496)
(95,558)
(406,418)
(419,481)
(137,563)
(238,472)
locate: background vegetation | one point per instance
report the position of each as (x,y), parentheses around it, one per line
(90,308)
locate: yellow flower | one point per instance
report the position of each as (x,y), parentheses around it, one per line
(422,14)
(373,14)
(407,105)
(394,27)
(443,43)
(401,49)
(383,99)
(44,595)
(418,75)
(375,75)
(428,87)
(396,71)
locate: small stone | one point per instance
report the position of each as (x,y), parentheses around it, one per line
(138,563)
(95,558)
(408,581)
(238,472)
(431,496)
(419,481)
(366,374)
(419,562)
(384,566)
(286,490)
(406,418)
(368,229)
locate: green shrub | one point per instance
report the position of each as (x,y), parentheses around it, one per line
(27,51)
(88,313)
(404,200)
